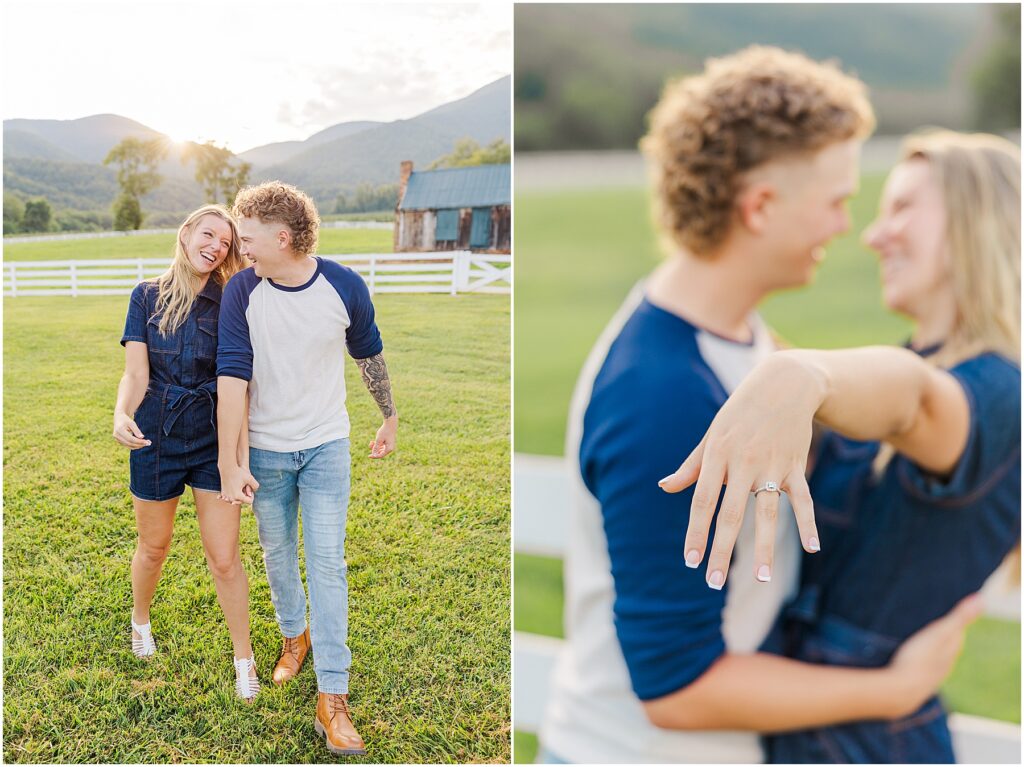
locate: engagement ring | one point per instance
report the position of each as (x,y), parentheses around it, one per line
(770,487)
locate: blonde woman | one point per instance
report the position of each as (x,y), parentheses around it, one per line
(165,414)
(918,502)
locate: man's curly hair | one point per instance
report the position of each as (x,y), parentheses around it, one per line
(282,204)
(756,105)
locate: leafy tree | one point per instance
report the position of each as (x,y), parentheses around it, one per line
(216,171)
(14,212)
(997,78)
(38,215)
(468,152)
(137,161)
(128,213)
(366,198)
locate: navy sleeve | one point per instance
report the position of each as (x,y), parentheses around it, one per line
(234,347)
(362,337)
(992,386)
(668,621)
(138,316)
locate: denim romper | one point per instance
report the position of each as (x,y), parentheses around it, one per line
(178,413)
(897,552)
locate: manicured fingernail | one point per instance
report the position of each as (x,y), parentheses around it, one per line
(692,558)
(663,481)
(764,573)
(717,580)
(813,545)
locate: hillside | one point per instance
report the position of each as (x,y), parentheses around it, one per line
(62,159)
(588,80)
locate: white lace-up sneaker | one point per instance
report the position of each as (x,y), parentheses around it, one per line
(247,684)
(143,646)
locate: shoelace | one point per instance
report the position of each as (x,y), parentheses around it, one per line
(245,686)
(144,646)
(291,646)
(336,703)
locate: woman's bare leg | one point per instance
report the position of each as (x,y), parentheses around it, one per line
(154,521)
(218,526)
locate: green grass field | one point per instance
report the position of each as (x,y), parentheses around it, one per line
(577,256)
(332,242)
(428,554)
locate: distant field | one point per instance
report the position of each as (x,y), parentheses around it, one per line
(332,241)
(579,253)
(427,551)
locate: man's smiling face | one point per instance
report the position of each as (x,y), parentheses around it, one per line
(267,245)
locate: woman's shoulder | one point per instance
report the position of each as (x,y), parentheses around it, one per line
(990,372)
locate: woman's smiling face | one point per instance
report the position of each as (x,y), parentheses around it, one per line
(909,236)
(208,243)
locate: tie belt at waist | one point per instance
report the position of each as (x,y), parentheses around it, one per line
(179,399)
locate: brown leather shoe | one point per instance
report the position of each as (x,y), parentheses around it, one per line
(293,654)
(334,723)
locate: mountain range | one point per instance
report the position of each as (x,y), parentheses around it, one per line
(61,160)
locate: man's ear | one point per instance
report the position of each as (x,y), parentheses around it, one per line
(284,239)
(753,204)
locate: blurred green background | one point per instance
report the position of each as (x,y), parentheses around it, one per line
(586,75)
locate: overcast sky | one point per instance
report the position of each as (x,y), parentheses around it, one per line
(247,73)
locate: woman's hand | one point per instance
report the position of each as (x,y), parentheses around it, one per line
(923,661)
(761,435)
(128,433)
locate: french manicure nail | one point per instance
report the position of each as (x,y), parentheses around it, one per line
(717,580)
(813,544)
(764,574)
(692,558)
(663,481)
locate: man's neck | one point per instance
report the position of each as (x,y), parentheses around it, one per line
(713,294)
(296,273)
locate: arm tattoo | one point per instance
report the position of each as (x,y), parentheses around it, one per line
(375,376)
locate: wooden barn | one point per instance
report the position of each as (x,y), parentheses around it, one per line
(455,209)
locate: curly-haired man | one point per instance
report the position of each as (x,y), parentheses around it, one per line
(284,327)
(753,160)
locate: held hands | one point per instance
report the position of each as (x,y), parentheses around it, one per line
(924,660)
(238,485)
(761,435)
(384,444)
(127,433)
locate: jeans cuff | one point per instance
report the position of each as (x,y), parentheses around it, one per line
(288,632)
(333,689)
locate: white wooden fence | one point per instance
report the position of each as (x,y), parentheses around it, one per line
(540,526)
(450,272)
(65,236)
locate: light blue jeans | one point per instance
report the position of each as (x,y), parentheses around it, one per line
(317,480)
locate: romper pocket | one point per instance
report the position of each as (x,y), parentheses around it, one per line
(206,339)
(159,343)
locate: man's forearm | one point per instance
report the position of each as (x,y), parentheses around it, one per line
(231,416)
(768,693)
(375,375)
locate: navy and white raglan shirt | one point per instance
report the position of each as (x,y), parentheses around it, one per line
(289,343)
(640,624)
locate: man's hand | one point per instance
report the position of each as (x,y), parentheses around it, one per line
(237,484)
(385,441)
(924,660)
(128,433)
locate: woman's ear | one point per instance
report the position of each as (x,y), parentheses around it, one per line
(753,205)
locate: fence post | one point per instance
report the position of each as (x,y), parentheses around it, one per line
(74,279)
(456,262)
(142,270)
(14,280)
(373,273)
(465,264)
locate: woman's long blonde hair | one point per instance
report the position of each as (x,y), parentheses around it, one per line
(179,285)
(978,176)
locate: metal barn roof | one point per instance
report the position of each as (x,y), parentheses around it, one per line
(475,187)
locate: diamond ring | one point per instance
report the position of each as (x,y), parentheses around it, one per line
(767,487)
